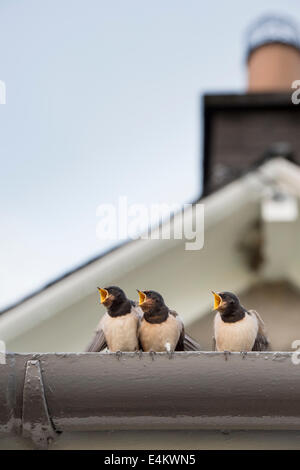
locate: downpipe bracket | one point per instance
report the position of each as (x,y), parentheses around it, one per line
(36,421)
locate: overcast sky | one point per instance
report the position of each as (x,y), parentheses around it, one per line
(103,100)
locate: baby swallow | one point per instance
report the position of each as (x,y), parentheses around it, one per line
(235,328)
(118,328)
(162,329)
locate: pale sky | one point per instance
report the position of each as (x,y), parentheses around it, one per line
(103,100)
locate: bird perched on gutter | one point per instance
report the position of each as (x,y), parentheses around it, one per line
(118,328)
(235,328)
(162,329)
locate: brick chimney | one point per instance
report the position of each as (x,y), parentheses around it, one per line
(273,55)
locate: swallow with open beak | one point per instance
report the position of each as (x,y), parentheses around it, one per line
(118,328)
(235,328)
(162,329)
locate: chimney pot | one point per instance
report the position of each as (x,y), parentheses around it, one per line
(273,55)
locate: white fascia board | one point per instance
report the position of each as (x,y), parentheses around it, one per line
(282,237)
(282,172)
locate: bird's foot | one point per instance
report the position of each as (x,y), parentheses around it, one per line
(139,353)
(169,350)
(226,355)
(244,354)
(152,354)
(170,354)
(119,355)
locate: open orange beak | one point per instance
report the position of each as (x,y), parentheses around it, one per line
(218,300)
(103,294)
(142,297)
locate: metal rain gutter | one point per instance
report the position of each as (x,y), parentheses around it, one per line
(42,395)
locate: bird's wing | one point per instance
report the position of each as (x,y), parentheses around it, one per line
(214,346)
(138,311)
(190,344)
(261,341)
(98,342)
(185,342)
(180,343)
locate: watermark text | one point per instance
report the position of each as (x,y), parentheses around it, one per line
(156,222)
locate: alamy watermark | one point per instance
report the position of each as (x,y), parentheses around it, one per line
(296,93)
(166,221)
(2,92)
(2,352)
(296,354)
